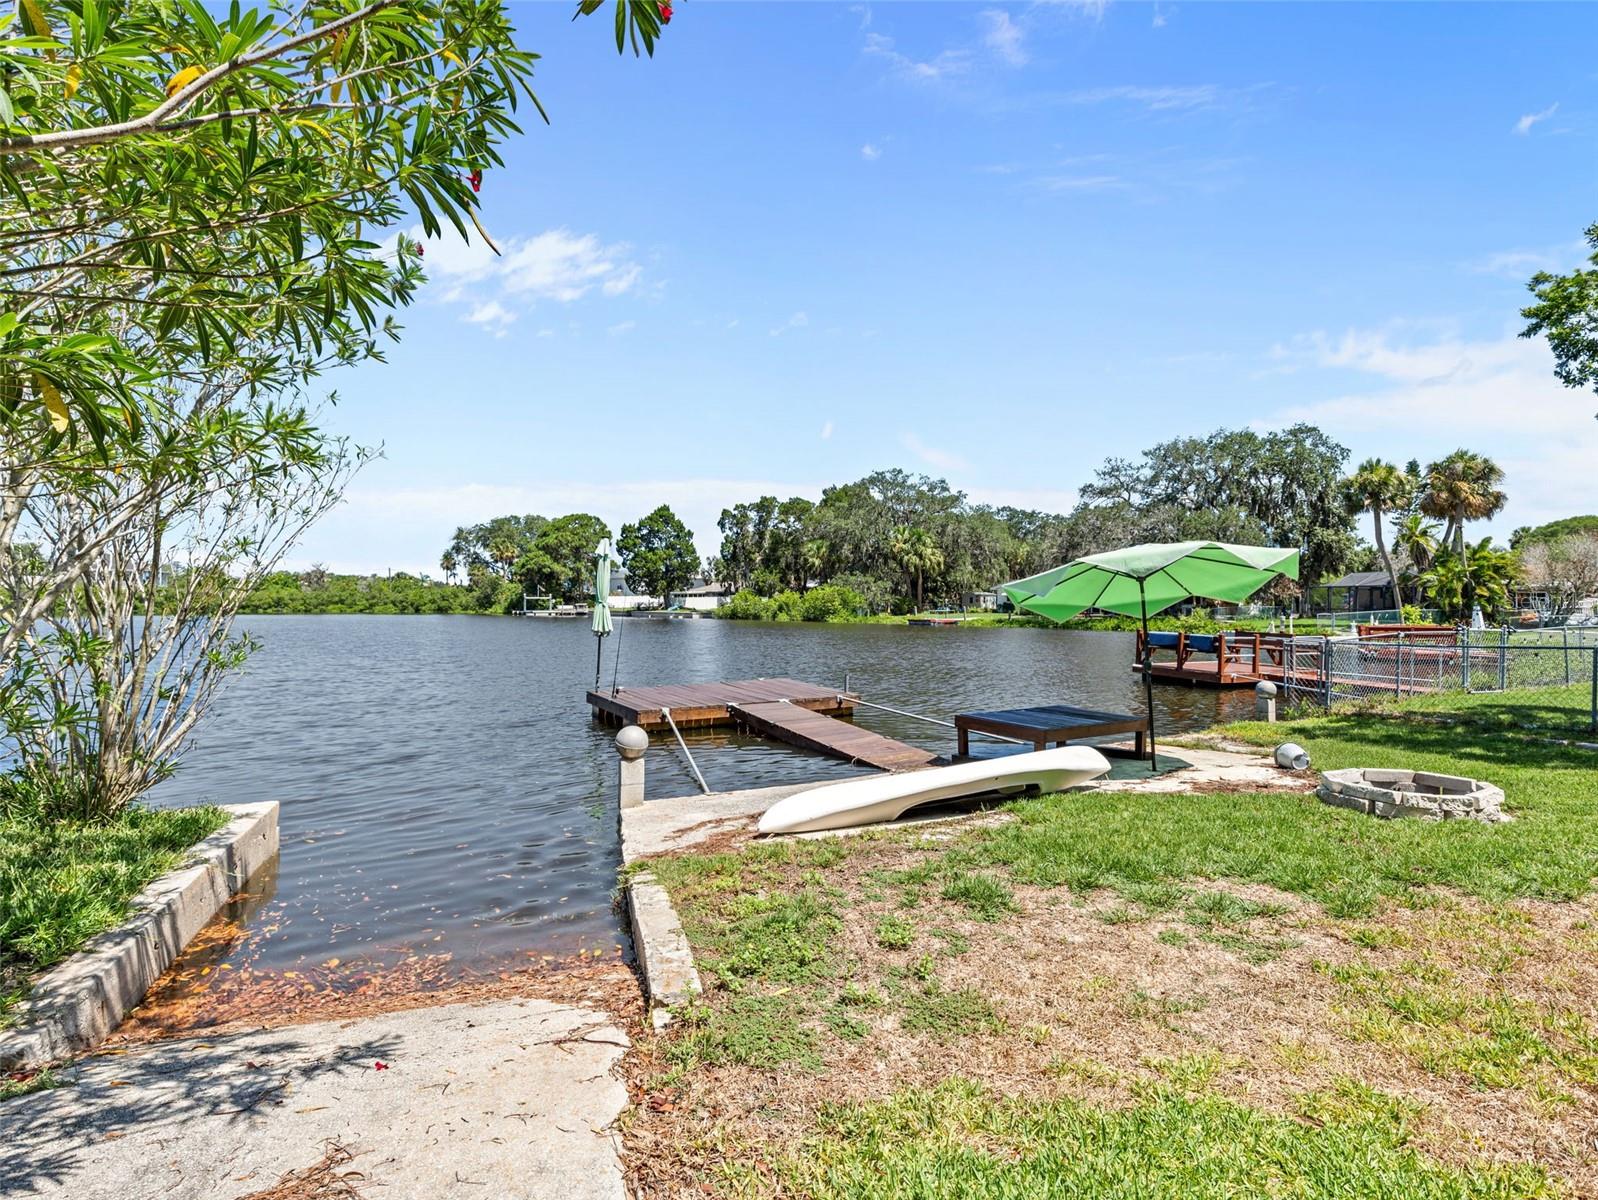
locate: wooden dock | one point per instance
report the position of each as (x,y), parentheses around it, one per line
(710,703)
(826,735)
(806,715)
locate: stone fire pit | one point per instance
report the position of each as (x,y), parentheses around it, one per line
(1389,793)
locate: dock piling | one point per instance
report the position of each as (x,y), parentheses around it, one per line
(631,743)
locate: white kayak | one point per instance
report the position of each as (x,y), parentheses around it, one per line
(885,797)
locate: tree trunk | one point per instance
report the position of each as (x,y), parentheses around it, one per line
(1468,586)
(1387,559)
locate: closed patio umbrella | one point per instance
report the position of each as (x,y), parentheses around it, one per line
(1150,578)
(604,559)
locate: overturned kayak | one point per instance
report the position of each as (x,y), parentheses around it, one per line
(885,797)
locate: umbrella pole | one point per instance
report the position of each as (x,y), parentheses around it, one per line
(599,657)
(1148,677)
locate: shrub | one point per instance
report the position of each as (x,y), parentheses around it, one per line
(787,606)
(746,605)
(831,602)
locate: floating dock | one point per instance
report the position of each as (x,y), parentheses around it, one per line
(826,735)
(806,715)
(710,703)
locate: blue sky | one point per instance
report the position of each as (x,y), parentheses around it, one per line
(996,243)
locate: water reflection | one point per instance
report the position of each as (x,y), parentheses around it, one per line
(444,791)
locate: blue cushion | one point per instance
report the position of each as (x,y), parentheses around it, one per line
(1163,641)
(1204,643)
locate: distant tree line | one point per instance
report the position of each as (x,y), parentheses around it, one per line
(896,541)
(901,540)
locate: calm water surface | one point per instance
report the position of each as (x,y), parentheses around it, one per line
(443,788)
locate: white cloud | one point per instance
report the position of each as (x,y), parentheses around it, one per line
(1521,264)
(490,314)
(1160,19)
(826,430)
(1157,99)
(798,321)
(1523,126)
(870,152)
(943,460)
(560,265)
(1428,394)
(621,327)
(947,63)
(556,266)
(1004,37)
(1081,183)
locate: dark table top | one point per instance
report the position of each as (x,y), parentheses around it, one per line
(1050,718)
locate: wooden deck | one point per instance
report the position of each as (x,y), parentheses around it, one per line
(816,731)
(710,703)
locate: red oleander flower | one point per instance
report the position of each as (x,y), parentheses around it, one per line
(476,180)
(665,14)
(380,1065)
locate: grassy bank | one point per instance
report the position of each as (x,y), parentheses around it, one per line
(62,882)
(1115,994)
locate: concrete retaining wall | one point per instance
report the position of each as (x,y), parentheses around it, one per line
(77,1003)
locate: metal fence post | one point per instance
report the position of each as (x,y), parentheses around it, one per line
(1326,671)
(1592,712)
(1503,658)
(1398,667)
(1564,636)
(1464,659)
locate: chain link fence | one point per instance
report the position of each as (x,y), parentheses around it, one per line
(1541,679)
(1372,616)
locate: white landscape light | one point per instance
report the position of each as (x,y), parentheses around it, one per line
(1292,756)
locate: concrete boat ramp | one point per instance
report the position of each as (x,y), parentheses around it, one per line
(509,1099)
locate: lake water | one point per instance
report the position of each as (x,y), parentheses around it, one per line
(444,790)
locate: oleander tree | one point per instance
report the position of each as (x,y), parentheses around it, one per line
(196,216)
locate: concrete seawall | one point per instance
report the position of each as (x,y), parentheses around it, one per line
(78,1002)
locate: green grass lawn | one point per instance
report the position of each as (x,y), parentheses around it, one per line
(1067,1004)
(63,882)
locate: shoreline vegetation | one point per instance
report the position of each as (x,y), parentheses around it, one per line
(65,879)
(1237,993)
(286,593)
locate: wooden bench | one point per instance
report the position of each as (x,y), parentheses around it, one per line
(1052,724)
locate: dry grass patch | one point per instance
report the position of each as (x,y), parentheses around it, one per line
(852,985)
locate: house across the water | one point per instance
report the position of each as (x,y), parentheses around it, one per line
(706,597)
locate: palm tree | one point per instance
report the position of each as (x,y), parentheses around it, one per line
(1378,486)
(1462,487)
(449,562)
(1416,538)
(816,554)
(1486,574)
(917,552)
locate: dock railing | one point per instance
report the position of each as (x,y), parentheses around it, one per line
(1531,680)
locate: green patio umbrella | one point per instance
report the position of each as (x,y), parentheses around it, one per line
(604,559)
(1150,578)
